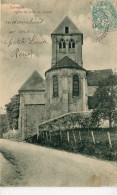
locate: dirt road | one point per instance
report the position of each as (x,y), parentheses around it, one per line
(24,164)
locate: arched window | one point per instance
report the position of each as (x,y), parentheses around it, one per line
(71,43)
(55,86)
(71,46)
(75,85)
(62,45)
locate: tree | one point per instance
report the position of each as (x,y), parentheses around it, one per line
(3,124)
(13,112)
(105,101)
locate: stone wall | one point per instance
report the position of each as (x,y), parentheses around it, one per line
(65,122)
(76,55)
(65,102)
(32,111)
(34,114)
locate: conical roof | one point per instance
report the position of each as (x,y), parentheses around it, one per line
(67,22)
(34,83)
(66,62)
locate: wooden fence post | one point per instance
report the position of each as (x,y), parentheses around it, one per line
(37,135)
(37,132)
(50,135)
(74,137)
(80,137)
(93,138)
(68,136)
(43,135)
(61,135)
(109,139)
(46,136)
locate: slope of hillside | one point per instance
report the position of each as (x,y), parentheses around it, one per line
(25,164)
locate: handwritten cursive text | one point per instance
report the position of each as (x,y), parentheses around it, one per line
(17,53)
(34,40)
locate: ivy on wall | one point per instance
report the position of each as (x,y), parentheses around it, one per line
(67,122)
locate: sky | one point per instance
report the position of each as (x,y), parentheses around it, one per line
(15,70)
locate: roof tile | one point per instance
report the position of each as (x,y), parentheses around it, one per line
(67,22)
(34,83)
(66,62)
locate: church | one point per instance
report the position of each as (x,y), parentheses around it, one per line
(68,87)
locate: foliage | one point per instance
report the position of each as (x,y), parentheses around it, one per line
(85,122)
(67,122)
(105,101)
(3,124)
(13,112)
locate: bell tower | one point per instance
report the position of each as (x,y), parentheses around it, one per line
(67,40)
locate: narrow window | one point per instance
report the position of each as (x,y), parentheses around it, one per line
(75,85)
(62,44)
(71,44)
(55,86)
(66,29)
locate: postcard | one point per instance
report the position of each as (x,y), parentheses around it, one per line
(58,103)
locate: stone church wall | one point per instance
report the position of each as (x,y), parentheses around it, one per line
(65,102)
(75,56)
(32,111)
(34,114)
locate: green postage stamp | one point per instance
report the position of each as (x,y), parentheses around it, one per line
(104,15)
